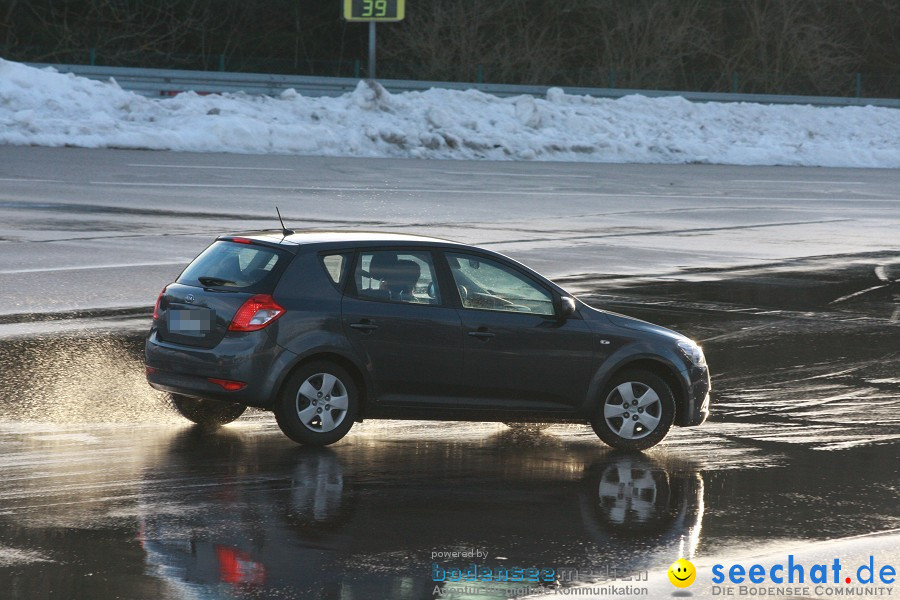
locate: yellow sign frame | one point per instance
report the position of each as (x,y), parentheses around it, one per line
(373,5)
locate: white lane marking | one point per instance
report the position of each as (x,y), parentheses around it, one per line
(90,267)
(30,180)
(855,294)
(208,167)
(357,189)
(498,173)
(294,188)
(796,181)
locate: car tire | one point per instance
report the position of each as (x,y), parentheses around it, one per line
(622,427)
(209,413)
(304,410)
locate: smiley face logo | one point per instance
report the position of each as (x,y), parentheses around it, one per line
(682,573)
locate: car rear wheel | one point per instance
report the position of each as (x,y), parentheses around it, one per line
(637,411)
(318,405)
(209,413)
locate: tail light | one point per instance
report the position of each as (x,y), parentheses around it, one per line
(158,300)
(256,313)
(227,384)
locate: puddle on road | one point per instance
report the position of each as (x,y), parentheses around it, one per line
(104,492)
(243,513)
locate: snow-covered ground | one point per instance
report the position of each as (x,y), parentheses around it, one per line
(43,107)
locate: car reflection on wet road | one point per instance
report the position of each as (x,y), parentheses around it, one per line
(109,494)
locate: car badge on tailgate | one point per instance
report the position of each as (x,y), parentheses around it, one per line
(189,298)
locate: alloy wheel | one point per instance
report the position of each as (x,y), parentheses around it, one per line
(322,402)
(632,410)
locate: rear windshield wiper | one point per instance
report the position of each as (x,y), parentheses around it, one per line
(213,281)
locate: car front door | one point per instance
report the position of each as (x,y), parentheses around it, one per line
(399,321)
(519,355)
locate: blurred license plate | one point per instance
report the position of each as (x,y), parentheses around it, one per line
(195,321)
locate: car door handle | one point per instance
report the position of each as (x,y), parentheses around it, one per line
(365,326)
(482,334)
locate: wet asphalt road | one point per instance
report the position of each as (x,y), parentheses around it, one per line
(106,228)
(789,282)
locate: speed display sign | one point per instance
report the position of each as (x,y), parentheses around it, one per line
(374,10)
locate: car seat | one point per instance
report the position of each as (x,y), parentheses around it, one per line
(403,279)
(381,269)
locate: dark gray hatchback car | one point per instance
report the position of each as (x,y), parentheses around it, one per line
(330,328)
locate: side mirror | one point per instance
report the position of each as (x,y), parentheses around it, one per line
(566,307)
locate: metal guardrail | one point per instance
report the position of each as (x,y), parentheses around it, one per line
(168,82)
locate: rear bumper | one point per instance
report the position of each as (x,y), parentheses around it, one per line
(251,358)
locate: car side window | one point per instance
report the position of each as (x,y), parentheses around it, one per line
(485,284)
(334,266)
(396,276)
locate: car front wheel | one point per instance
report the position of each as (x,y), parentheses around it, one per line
(318,405)
(209,413)
(637,411)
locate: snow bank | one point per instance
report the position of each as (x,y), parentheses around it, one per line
(44,107)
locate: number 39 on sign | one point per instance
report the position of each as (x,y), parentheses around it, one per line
(374,10)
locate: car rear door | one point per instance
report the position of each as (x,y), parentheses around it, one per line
(518,354)
(397,318)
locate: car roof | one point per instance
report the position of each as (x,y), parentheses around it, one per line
(347,238)
(299,238)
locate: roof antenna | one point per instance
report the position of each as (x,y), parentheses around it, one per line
(284,230)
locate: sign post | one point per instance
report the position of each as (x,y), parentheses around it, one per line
(373,11)
(371,49)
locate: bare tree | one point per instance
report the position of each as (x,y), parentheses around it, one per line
(514,40)
(6,24)
(645,43)
(780,46)
(787,46)
(123,31)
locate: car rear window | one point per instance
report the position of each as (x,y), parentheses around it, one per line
(237,266)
